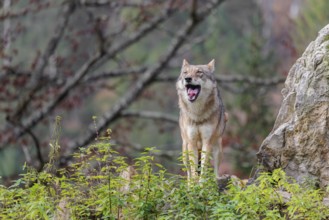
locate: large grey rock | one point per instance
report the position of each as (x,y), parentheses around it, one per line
(299,141)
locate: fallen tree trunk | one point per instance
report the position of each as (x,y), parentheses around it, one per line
(299,141)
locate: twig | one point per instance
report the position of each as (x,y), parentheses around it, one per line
(252,80)
(150,115)
(35,140)
(25,11)
(38,148)
(234,79)
(115,73)
(113,4)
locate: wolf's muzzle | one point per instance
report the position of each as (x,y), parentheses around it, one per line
(188,79)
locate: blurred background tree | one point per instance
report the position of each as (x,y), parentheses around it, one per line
(312,18)
(118,61)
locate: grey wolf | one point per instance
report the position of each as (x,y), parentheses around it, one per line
(202,117)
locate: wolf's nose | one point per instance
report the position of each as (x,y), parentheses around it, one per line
(188,79)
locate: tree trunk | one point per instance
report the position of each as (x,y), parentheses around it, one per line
(299,141)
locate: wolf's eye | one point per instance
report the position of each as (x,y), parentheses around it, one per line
(184,72)
(199,72)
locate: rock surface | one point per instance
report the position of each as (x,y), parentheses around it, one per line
(299,141)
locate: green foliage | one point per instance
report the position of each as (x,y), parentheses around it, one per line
(312,19)
(264,200)
(96,187)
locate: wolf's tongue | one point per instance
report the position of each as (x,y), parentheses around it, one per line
(192,92)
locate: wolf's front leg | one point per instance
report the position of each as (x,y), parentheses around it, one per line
(193,158)
(186,159)
(205,157)
(217,156)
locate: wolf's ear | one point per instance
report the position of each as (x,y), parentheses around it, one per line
(211,65)
(185,63)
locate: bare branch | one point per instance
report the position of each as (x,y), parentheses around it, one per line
(113,4)
(138,70)
(251,80)
(27,155)
(25,11)
(234,79)
(15,71)
(12,71)
(38,148)
(151,115)
(115,73)
(38,116)
(35,83)
(35,140)
(11,14)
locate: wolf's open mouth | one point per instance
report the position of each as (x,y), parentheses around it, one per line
(192,91)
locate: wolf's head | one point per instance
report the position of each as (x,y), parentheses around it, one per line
(196,82)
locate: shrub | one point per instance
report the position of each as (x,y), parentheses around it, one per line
(93,188)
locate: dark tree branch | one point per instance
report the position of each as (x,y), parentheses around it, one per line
(38,148)
(141,69)
(38,116)
(12,71)
(234,79)
(41,114)
(251,80)
(25,11)
(151,115)
(115,73)
(15,71)
(35,83)
(35,140)
(113,4)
